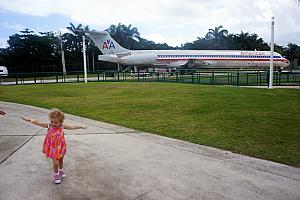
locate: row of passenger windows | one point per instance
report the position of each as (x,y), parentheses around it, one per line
(212,56)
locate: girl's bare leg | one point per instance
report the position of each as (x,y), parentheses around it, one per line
(55,165)
(61,162)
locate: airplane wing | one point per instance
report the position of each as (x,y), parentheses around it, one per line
(177,63)
(196,63)
(191,63)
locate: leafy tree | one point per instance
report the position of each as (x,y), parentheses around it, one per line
(278,49)
(246,41)
(150,45)
(292,51)
(29,52)
(200,43)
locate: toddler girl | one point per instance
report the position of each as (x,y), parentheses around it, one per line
(55,144)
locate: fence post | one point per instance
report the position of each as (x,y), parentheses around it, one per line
(22,79)
(64,76)
(238,78)
(259,78)
(42,78)
(193,77)
(56,77)
(268,77)
(228,77)
(34,77)
(182,77)
(294,77)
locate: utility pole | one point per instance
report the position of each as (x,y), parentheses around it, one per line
(93,60)
(62,54)
(84,59)
(272,55)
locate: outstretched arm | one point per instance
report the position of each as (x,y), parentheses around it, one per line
(73,127)
(44,125)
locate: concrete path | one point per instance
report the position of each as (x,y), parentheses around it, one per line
(112,162)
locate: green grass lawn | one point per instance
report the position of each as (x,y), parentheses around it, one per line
(257,122)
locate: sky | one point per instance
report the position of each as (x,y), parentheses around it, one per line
(172,21)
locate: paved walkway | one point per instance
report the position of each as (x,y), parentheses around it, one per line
(275,87)
(112,162)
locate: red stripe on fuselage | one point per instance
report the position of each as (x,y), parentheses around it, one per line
(239,59)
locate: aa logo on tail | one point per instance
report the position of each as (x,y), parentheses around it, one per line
(108,44)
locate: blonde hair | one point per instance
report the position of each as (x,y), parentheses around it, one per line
(56,113)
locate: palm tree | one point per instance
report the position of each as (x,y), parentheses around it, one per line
(216,33)
(133,33)
(77,32)
(74,31)
(124,35)
(218,37)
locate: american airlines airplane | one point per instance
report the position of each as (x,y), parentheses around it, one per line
(113,52)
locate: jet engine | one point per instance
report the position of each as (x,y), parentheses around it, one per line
(109,58)
(138,59)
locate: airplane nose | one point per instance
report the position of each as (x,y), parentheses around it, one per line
(286,63)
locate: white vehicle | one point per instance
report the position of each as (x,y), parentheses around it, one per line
(113,52)
(3,71)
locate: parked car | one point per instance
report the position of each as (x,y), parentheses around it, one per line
(3,71)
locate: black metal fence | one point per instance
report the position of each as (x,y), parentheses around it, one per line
(210,77)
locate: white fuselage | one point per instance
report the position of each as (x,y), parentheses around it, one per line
(199,58)
(114,52)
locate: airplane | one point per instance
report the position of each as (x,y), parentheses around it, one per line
(115,53)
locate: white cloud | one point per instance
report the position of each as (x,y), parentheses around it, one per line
(156,37)
(172,40)
(175,21)
(14,26)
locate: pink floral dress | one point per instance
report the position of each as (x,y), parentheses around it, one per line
(54,144)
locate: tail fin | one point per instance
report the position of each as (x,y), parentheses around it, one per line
(105,42)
